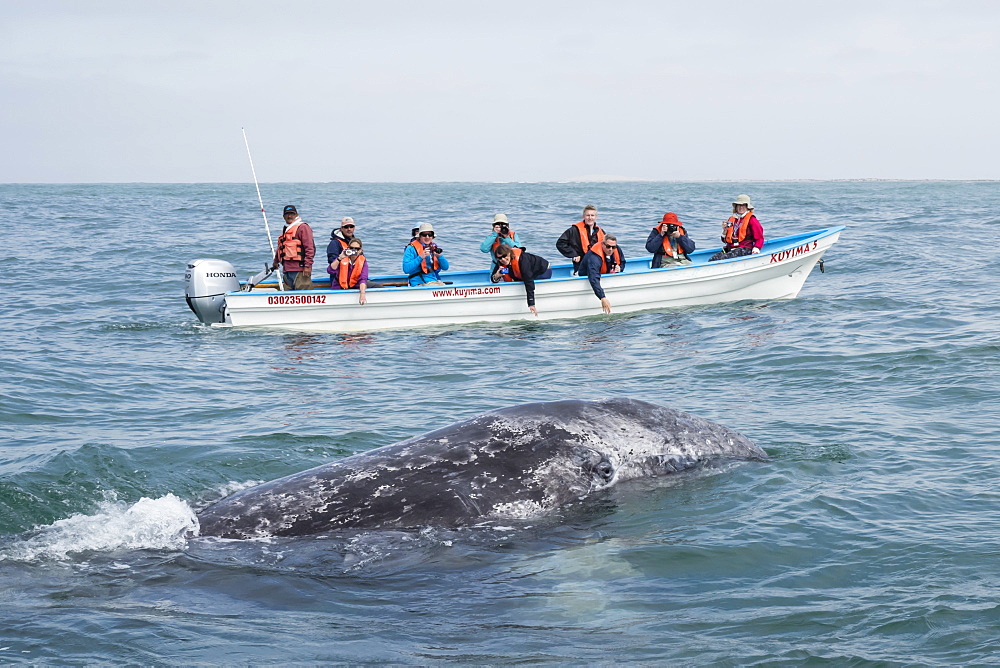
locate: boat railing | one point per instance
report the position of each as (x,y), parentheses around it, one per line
(564,271)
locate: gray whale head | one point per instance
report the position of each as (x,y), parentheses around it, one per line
(517,462)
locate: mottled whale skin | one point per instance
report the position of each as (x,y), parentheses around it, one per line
(516,462)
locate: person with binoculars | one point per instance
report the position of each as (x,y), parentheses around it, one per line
(350,270)
(501,235)
(424,260)
(669,243)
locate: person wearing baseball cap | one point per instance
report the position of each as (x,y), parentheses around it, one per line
(340,238)
(295,251)
(669,242)
(742,233)
(501,235)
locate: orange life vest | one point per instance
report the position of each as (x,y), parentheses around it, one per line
(514,268)
(347,275)
(616,253)
(669,248)
(499,240)
(585,236)
(737,230)
(290,248)
(419,247)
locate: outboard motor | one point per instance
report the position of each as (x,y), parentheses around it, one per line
(206,283)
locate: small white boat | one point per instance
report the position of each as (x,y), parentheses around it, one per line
(218,298)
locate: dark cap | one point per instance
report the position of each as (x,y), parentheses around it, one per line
(291,209)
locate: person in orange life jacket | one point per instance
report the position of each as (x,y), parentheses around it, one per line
(579,237)
(350,270)
(501,235)
(516,264)
(669,242)
(603,258)
(339,239)
(295,251)
(742,234)
(423,260)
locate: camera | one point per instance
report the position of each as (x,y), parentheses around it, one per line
(351,251)
(504,229)
(435,248)
(671,229)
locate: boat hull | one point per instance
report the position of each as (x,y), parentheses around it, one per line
(778,272)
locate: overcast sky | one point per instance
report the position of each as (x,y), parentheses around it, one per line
(498,91)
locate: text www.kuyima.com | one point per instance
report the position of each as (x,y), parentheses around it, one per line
(467,292)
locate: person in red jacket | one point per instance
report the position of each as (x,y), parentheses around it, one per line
(295,251)
(742,234)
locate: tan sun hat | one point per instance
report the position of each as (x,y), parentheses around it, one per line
(499,218)
(743,199)
(425,227)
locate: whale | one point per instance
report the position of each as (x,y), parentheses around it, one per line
(519,462)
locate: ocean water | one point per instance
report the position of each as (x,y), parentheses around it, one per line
(871,536)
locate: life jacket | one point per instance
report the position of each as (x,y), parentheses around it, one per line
(737,230)
(669,248)
(348,275)
(585,236)
(290,248)
(618,259)
(514,268)
(499,240)
(419,247)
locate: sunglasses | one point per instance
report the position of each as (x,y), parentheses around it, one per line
(346,226)
(427,234)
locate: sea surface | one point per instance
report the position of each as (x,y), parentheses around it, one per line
(870,537)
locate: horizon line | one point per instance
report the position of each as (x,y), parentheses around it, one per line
(565,182)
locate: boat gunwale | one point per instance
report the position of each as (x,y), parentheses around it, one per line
(770,247)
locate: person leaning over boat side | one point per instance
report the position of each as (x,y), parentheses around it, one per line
(350,270)
(501,235)
(295,251)
(516,264)
(579,237)
(423,260)
(339,239)
(669,242)
(603,258)
(742,233)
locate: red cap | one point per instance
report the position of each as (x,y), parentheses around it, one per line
(670,219)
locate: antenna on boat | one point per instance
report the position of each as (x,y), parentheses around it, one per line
(267,227)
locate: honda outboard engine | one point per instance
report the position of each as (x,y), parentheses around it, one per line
(206,283)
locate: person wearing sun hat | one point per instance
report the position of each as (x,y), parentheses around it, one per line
(501,235)
(669,242)
(423,260)
(742,233)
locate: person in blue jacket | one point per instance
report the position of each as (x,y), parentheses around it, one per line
(424,260)
(501,234)
(602,258)
(669,242)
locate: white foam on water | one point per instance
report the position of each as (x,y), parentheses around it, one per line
(151,524)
